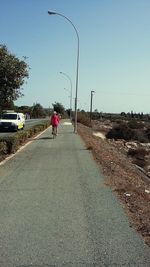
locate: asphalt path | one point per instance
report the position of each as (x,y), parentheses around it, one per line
(55,209)
(28,124)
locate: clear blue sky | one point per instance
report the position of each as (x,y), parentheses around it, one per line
(114,51)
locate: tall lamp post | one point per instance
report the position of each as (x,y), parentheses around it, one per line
(70,91)
(70,101)
(77,69)
(92,92)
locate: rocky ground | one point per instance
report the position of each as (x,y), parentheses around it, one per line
(130,183)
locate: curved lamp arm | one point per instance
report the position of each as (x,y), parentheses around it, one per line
(77,70)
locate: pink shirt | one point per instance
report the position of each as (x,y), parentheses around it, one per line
(54,120)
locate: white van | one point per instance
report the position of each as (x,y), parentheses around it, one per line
(12,121)
(22,116)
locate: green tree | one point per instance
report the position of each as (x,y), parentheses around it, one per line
(123,114)
(59,108)
(27,110)
(37,111)
(13,72)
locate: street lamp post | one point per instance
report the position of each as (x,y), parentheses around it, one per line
(92,92)
(70,102)
(77,69)
(70,92)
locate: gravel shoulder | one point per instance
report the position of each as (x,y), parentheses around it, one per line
(130,185)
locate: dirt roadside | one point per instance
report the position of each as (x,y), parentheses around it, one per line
(131,186)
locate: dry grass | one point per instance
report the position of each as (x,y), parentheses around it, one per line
(129,183)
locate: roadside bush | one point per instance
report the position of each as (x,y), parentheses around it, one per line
(3,149)
(118,121)
(22,136)
(84,119)
(134,124)
(120,131)
(138,156)
(1,145)
(140,136)
(123,131)
(140,152)
(140,162)
(30,132)
(10,144)
(147,134)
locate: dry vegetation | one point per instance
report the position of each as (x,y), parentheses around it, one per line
(130,184)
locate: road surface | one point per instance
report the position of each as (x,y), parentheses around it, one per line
(55,210)
(28,124)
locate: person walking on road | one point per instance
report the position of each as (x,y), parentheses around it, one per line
(55,122)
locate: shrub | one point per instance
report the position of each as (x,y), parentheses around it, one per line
(84,119)
(134,124)
(140,152)
(21,136)
(138,156)
(3,148)
(9,144)
(147,133)
(140,162)
(140,136)
(120,131)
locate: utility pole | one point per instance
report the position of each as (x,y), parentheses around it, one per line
(92,92)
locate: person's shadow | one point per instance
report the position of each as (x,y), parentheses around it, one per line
(45,138)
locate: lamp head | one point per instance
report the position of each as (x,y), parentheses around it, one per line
(51,13)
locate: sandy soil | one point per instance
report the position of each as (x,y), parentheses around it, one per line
(129,183)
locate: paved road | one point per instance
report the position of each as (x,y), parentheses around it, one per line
(28,124)
(55,210)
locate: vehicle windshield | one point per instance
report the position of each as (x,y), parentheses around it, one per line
(9,116)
